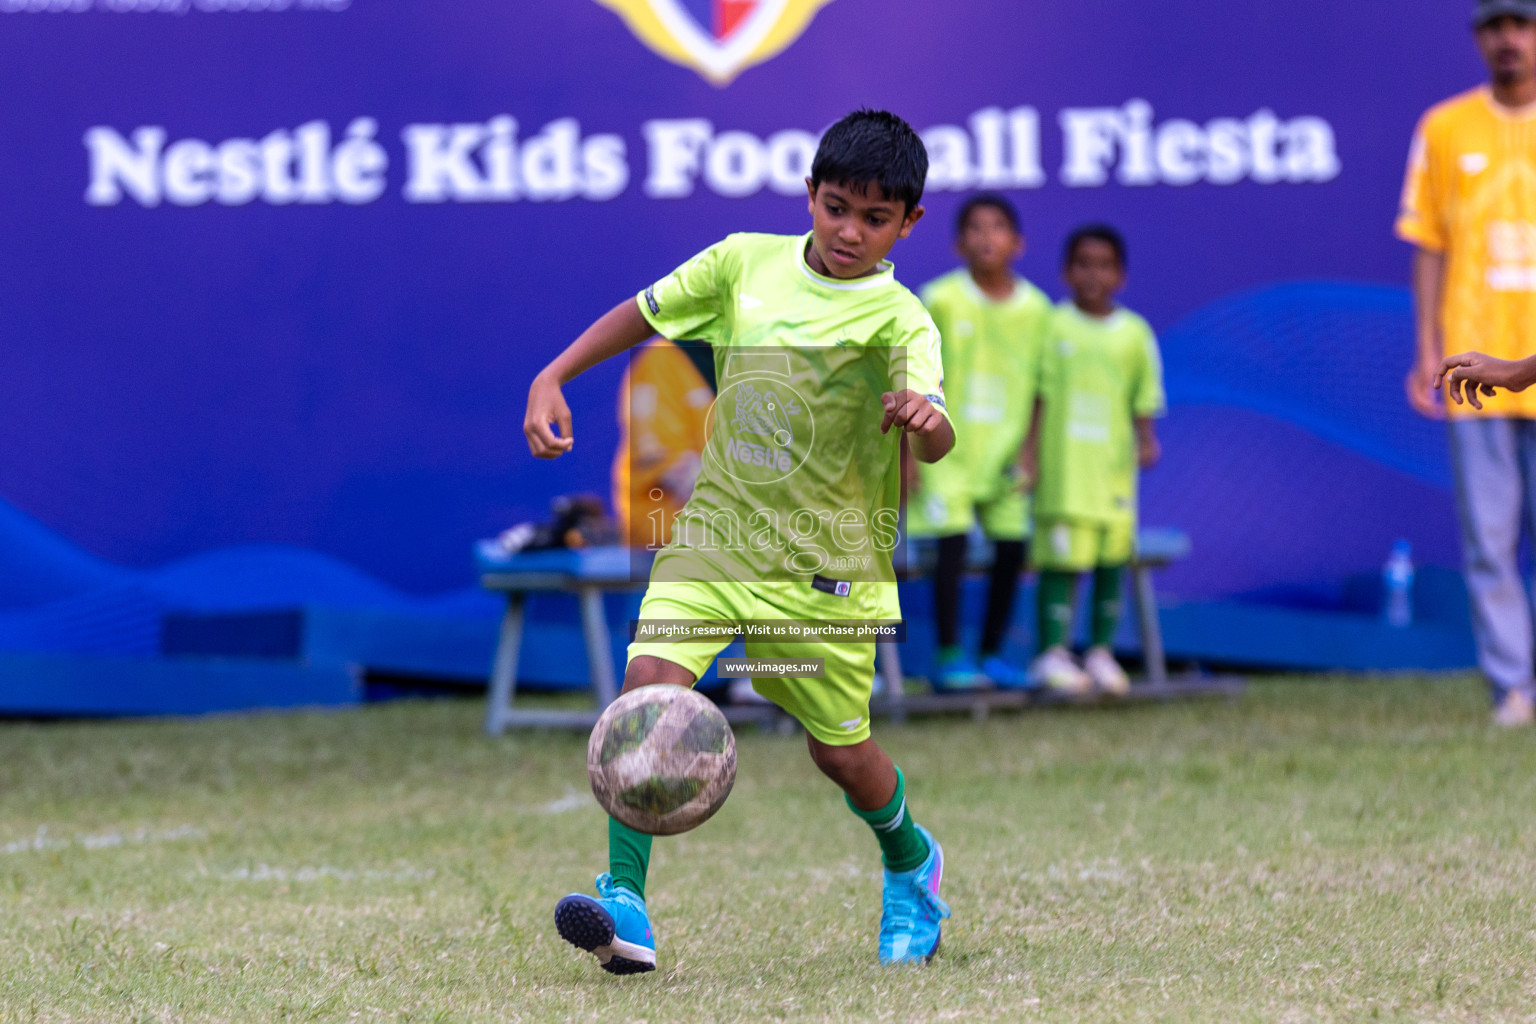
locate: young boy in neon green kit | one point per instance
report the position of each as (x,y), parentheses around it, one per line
(1101,388)
(993,323)
(819,353)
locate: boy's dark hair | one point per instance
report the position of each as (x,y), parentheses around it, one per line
(987,200)
(873,146)
(1096,233)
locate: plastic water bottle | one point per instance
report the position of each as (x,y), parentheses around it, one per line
(1397,586)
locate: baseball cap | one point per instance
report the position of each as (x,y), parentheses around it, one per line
(1487,10)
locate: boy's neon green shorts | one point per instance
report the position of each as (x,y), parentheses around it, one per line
(833,709)
(951,501)
(1077,545)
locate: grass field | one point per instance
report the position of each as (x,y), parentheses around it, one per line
(1327,850)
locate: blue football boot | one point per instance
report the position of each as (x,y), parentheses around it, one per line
(957,673)
(614,927)
(1005,676)
(911,909)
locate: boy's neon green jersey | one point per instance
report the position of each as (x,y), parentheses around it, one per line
(1098,376)
(797,479)
(991,354)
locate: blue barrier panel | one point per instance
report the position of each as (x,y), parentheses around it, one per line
(76,685)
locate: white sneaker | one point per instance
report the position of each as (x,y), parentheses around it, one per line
(1056,668)
(742,693)
(1514,711)
(1105,671)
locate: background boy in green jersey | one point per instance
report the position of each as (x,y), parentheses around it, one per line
(1101,386)
(993,323)
(817,347)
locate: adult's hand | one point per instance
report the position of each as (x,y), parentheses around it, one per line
(1420,387)
(1429,344)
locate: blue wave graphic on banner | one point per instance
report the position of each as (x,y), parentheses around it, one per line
(1291,460)
(1291,456)
(1327,356)
(58,598)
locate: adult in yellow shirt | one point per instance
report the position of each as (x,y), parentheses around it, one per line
(1469,207)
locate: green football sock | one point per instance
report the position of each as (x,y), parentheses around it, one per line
(902,846)
(629,856)
(1106,604)
(1054,601)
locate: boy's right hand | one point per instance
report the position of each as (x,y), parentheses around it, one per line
(546,405)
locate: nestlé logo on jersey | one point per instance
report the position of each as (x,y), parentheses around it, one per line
(717,38)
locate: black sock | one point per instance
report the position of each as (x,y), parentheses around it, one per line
(947,574)
(1006,564)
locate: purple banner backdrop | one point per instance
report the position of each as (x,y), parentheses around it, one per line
(280,271)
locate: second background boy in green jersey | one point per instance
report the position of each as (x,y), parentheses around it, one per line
(1101,387)
(992,323)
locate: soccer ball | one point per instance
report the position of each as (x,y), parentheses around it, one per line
(662,759)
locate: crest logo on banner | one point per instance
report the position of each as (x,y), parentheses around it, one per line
(717,38)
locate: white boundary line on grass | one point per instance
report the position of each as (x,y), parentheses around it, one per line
(267,873)
(42,841)
(572,801)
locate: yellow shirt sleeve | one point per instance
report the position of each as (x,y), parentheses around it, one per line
(1421,218)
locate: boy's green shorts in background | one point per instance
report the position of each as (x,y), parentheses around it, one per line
(834,708)
(1078,545)
(952,500)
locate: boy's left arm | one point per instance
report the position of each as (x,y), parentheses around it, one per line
(1038,366)
(1148,449)
(1150,402)
(1029,454)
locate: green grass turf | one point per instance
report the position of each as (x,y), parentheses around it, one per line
(1327,850)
